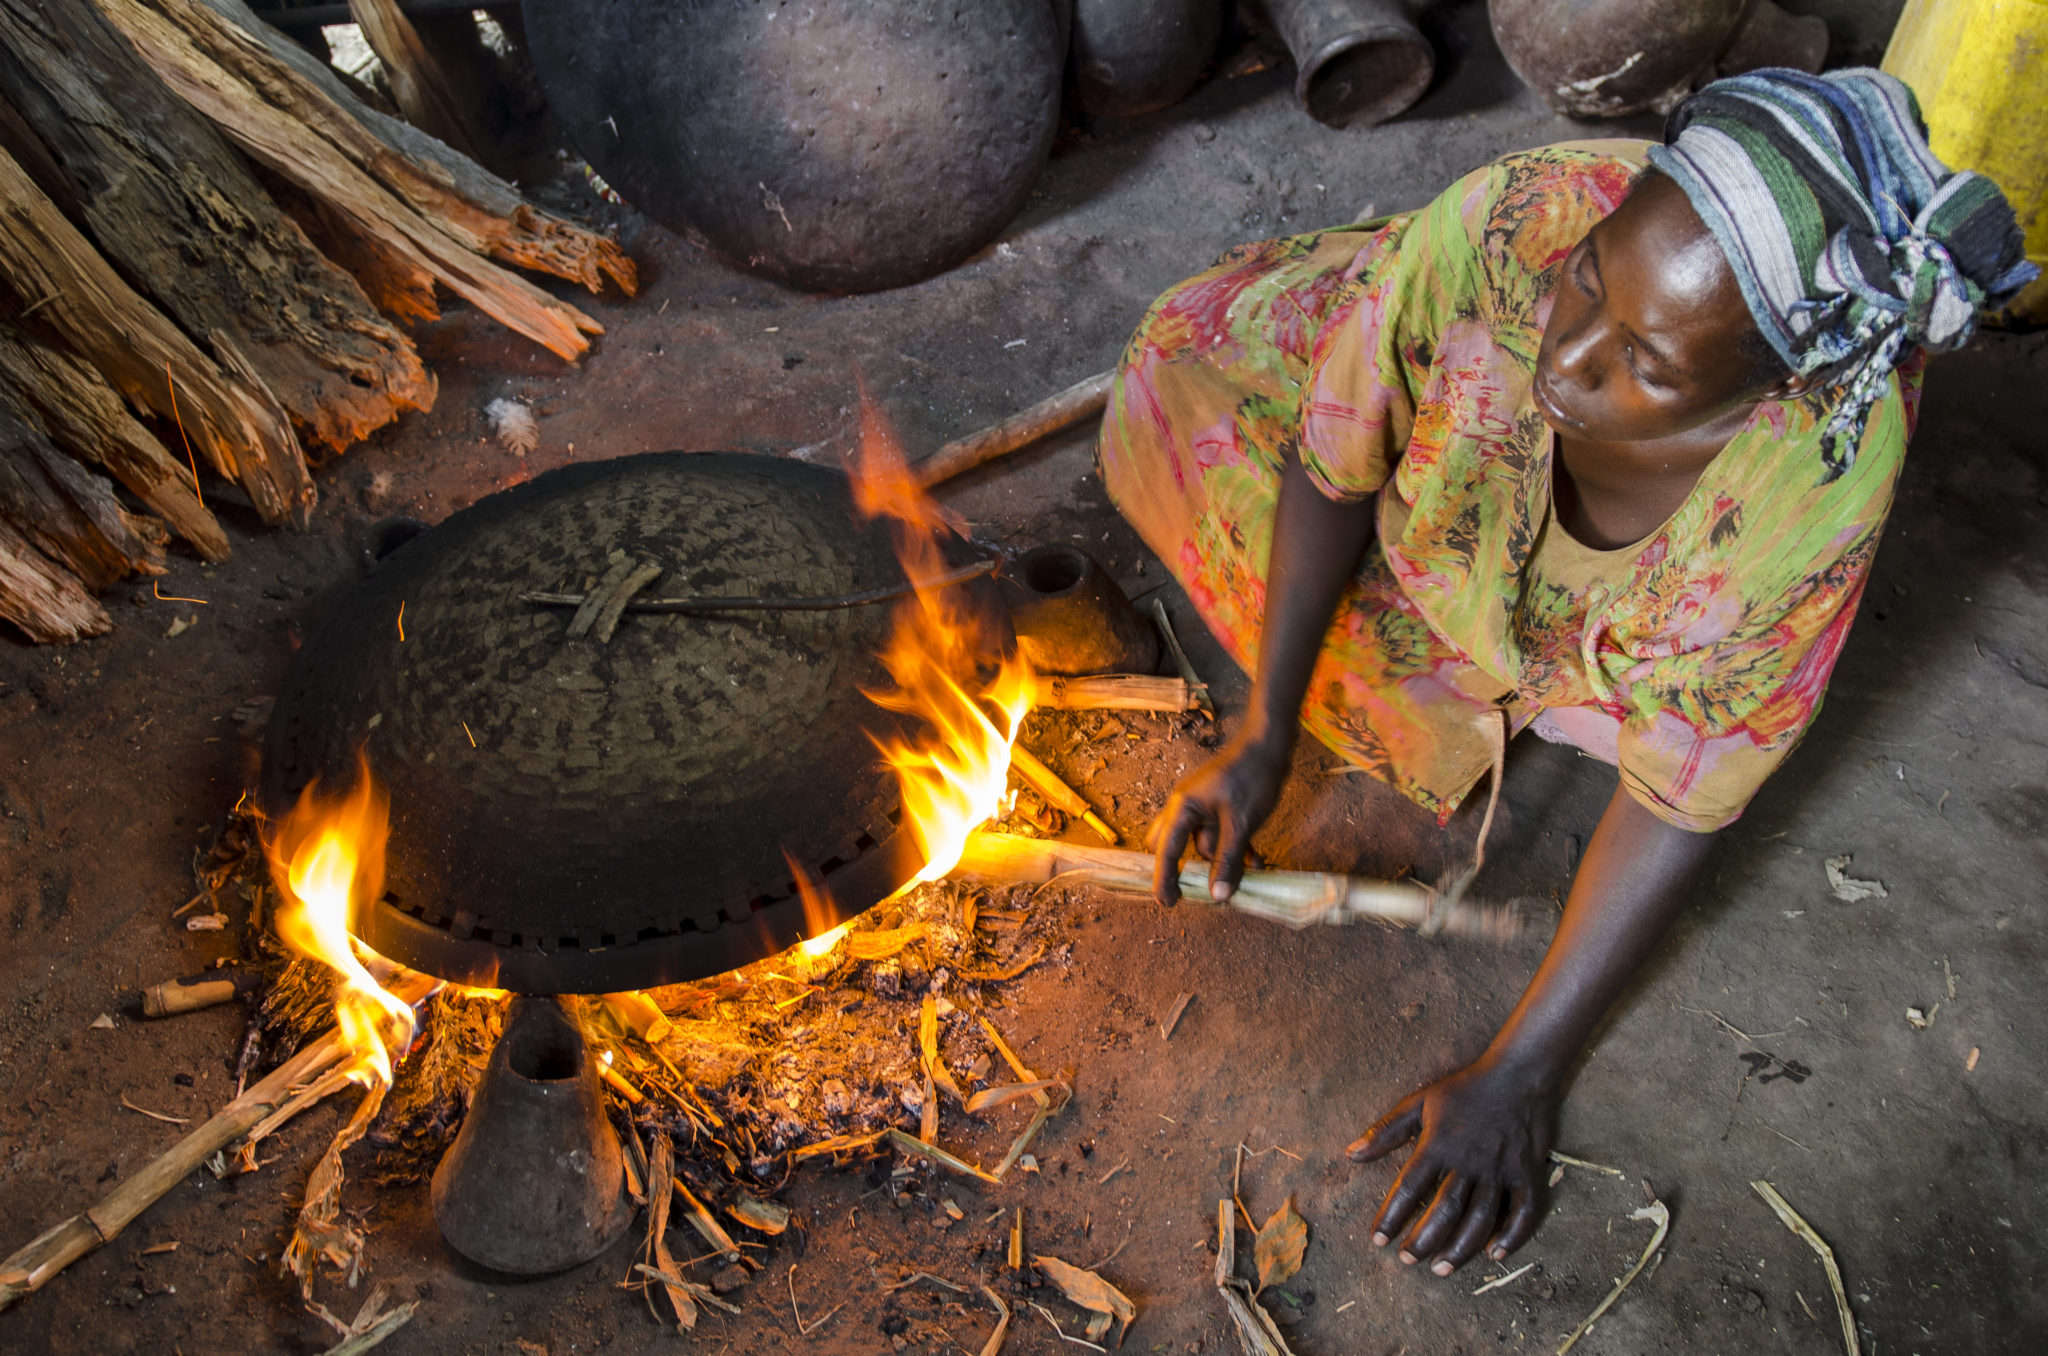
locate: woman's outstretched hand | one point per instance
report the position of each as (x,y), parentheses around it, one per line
(1481,1138)
(1217,808)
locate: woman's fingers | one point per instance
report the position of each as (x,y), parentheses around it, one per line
(1479,1219)
(1181,818)
(1410,1189)
(1233,838)
(1396,1127)
(1521,1225)
(1434,1229)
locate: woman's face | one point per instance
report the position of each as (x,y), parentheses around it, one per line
(1646,338)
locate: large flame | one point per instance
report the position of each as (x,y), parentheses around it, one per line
(327,856)
(953,770)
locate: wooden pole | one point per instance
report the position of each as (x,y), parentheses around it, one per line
(1069,407)
(1296,898)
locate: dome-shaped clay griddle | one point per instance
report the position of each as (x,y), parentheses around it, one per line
(840,147)
(622,817)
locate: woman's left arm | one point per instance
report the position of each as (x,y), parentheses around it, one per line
(1482,1134)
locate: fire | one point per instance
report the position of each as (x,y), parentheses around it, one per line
(952,772)
(821,913)
(326,857)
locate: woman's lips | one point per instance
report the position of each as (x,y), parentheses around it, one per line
(1554,411)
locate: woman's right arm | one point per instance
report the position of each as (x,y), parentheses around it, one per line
(1318,543)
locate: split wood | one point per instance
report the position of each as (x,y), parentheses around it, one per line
(1794,1221)
(1296,898)
(1063,797)
(1079,401)
(1116,692)
(418,86)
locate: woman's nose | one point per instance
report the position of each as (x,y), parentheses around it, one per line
(1577,348)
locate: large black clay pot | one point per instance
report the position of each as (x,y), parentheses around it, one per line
(1139,56)
(843,147)
(1608,58)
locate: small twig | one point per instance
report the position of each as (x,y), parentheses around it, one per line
(155,1115)
(1130,1231)
(1173,1017)
(1499,1281)
(914,1277)
(803,1329)
(1798,1225)
(995,1341)
(1180,659)
(1113,1172)
(1571,1162)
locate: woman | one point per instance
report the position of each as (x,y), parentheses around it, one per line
(1602,439)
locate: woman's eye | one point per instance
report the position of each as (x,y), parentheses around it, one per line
(1583,275)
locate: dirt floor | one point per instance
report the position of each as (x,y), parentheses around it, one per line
(1769,1039)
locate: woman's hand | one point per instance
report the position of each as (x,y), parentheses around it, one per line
(1218,807)
(1481,1138)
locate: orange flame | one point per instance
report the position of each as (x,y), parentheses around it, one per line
(327,858)
(821,911)
(952,773)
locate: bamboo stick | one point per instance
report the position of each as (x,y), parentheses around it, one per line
(31,1267)
(1069,407)
(1048,784)
(1296,898)
(1115,692)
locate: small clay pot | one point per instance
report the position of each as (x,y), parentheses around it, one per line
(1609,58)
(1071,617)
(1138,56)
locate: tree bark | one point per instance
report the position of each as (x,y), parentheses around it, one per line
(177,211)
(66,512)
(85,416)
(52,270)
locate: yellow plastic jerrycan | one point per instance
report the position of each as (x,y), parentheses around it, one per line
(1980,71)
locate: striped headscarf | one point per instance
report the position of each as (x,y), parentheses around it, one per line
(1849,239)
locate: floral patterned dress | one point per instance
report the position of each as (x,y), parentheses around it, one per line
(1394,358)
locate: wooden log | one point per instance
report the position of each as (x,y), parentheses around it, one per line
(395,282)
(48,267)
(1069,407)
(43,598)
(170,203)
(70,514)
(86,418)
(304,136)
(1114,692)
(476,204)
(418,84)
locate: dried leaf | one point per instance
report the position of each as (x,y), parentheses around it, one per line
(661,1176)
(1847,888)
(1091,1292)
(994,1344)
(917,1148)
(1006,1093)
(768,1217)
(514,426)
(1282,1240)
(874,946)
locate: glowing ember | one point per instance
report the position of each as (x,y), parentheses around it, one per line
(327,856)
(954,770)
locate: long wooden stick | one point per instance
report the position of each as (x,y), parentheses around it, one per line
(1296,898)
(1069,407)
(30,1268)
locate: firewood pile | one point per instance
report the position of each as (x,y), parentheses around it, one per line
(210,247)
